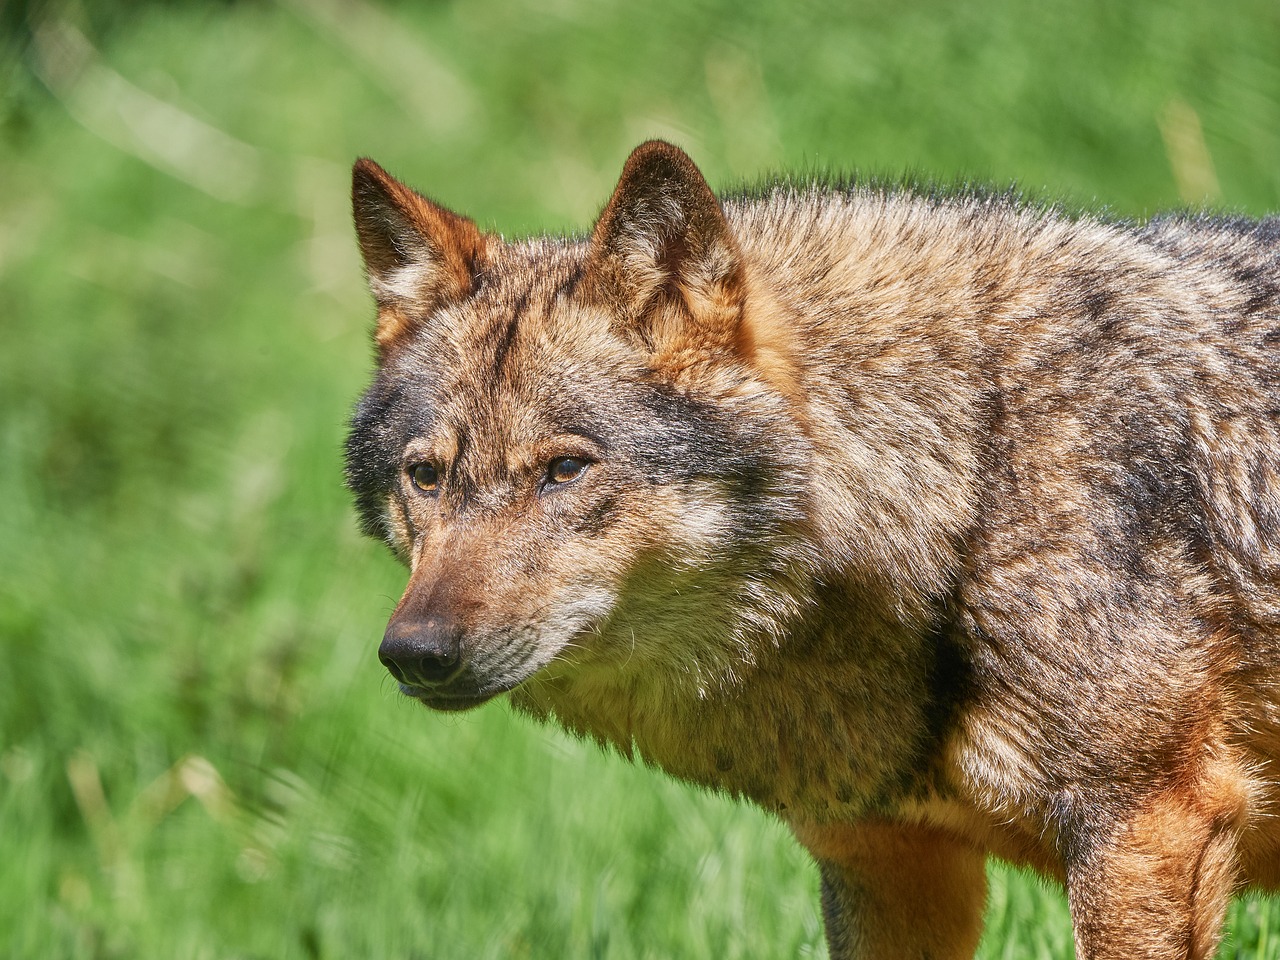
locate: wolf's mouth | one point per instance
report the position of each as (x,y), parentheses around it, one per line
(446,701)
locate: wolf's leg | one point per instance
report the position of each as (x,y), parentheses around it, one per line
(1158,888)
(898,891)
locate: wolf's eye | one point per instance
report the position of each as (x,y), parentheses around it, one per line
(425,477)
(565,470)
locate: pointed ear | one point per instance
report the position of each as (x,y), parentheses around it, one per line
(662,257)
(417,255)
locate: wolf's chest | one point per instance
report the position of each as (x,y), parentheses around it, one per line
(798,736)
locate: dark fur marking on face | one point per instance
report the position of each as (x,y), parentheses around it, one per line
(461,444)
(696,439)
(701,441)
(507,336)
(569,285)
(391,412)
(599,518)
(595,434)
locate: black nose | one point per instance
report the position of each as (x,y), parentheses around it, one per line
(422,653)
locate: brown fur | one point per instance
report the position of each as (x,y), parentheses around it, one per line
(941,526)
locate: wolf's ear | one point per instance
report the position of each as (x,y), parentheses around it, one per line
(662,257)
(417,254)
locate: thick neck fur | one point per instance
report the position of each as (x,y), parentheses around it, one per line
(772,737)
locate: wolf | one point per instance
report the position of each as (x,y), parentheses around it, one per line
(940,524)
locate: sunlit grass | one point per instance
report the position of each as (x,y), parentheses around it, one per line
(199,753)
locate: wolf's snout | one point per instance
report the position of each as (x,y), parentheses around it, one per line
(422,653)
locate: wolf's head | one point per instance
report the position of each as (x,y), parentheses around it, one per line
(584,450)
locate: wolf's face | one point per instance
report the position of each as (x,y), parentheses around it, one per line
(568,445)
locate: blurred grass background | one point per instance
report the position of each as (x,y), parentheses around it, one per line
(200,755)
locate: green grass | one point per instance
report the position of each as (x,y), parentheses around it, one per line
(199,753)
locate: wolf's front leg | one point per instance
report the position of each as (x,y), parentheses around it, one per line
(1157,887)
(899,891)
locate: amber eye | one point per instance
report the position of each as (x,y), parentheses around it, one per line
(425,477)
(565,470)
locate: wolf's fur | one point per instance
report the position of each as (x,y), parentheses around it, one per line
(940,526)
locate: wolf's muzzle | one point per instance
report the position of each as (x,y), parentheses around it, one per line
(422,652)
